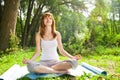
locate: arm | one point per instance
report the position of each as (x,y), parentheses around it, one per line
(37,52)
(60,47)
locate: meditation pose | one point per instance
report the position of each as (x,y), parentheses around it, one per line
(47,42)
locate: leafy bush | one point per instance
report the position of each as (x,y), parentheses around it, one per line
(101,50)
(116,40)
(112,51)
(87,51)
(74,46)
(13,43)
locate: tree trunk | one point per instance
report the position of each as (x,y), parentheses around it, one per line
(33,31)
(8,22)
(21,22)
(27,24)
(30,28)
(1,10)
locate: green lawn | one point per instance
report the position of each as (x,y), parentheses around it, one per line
(109,63)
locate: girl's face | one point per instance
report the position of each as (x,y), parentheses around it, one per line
(48,20)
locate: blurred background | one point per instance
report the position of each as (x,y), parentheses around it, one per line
(86,26)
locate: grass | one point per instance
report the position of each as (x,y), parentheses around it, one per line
(109,63)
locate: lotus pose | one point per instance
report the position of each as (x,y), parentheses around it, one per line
(47,42)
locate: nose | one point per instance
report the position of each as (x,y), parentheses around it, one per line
(48,18)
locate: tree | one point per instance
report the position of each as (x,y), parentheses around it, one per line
(35,10)
(103,25)
(97,22)
(115,13)
(8,21)
(72,26)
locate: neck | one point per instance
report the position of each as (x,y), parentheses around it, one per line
(48,29)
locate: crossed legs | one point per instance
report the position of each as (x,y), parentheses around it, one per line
(60,67)
(57,68)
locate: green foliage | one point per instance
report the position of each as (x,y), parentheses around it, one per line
(73,30)
(103,28)
(104,31)
(111,40)
(75,43)
(75,47)
(113,51)
(87,52)
(91,77)
(116,40)
(83,77)
(100,35)
(101,50)
(13,43)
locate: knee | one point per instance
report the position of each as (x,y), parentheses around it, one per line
(73,63)
(31,66)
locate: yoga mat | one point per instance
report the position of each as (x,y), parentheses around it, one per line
(43,75)
(79,71)
(94,69)
(16,71)
(10,74)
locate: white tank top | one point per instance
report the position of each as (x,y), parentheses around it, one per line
(49,50)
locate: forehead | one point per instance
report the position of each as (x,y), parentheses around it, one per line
(47,15)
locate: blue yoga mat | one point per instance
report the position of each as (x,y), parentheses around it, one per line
(43,75)
(88,68)
(93,69)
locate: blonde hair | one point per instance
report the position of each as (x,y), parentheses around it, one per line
(42,25)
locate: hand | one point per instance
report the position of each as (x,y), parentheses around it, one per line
(25,61)
(78,57)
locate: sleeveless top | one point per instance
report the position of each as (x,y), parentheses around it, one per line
(49,49)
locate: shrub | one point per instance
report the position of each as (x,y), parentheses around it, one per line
(13,43)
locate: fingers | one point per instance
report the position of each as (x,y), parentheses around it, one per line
(25,61)
(78,57)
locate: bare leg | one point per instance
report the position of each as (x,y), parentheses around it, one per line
(61,66)
(45,69)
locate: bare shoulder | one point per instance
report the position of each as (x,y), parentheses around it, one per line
(58,33)
(38,36)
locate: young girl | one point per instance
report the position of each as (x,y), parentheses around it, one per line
(48,40)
